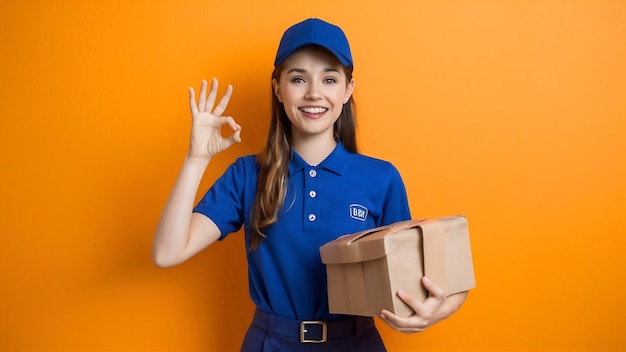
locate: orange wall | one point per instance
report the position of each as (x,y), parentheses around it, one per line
(510,112)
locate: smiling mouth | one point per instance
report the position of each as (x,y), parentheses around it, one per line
(313,110)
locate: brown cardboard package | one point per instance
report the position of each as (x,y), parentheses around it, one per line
(366,269)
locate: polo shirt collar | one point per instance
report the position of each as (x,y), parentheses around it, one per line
(336,161)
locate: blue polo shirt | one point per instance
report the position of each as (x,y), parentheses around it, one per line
(345,193)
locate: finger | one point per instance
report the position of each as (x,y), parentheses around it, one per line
(410,300)
(192,101)
(227,120)
(385,316)
(202,98)
(401,324)
(235,137)
(211,98)
(433,289)
(436,296)
(392,320)
(219,109)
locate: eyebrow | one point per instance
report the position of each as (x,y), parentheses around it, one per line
(301,70)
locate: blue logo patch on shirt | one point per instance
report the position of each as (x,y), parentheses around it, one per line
(359,212)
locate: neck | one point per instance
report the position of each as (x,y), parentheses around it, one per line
(314,149)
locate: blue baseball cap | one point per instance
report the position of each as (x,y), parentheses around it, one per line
(314,31)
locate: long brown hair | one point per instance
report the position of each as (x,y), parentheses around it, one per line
(274,160)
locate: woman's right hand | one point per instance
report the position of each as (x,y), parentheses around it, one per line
(207,121)
(181,233)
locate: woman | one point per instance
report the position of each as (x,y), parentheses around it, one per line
(302,191)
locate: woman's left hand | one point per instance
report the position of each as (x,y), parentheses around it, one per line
(427,313)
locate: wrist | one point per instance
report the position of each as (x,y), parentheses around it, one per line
(455,301)
(197,159)
(198,163)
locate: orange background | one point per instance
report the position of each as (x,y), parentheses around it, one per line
(510,112)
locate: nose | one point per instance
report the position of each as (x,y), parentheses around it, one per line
(313,91)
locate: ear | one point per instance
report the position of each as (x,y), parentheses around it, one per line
(349,90)
(276,90)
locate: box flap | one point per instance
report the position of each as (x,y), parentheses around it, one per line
(362,246)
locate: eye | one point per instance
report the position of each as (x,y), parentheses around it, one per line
(330,80)
(297,80)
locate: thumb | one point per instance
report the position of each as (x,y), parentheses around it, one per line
(235,137)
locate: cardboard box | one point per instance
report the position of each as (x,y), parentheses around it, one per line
(366,269)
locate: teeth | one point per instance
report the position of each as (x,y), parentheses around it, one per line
(314,110)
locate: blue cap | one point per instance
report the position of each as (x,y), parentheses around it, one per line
(314,31)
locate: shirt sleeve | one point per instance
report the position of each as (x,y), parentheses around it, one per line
(396,204)
(224,202)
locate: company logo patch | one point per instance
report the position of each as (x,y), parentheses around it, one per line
(359,212)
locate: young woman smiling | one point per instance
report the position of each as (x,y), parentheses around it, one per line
(294,196)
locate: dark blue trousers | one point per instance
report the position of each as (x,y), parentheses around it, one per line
(269,333)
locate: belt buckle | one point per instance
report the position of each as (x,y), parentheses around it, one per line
(304,330)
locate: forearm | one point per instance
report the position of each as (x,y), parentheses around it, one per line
(173,231)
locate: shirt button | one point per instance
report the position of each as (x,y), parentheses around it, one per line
(312,173)
(312,217)
(312,194)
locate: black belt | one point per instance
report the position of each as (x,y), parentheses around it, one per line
(312,331)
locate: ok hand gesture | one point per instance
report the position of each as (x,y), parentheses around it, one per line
(207,120)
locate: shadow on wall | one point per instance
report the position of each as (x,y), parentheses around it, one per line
(206,296)
(115,283)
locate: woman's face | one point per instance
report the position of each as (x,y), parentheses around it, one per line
(312,87)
